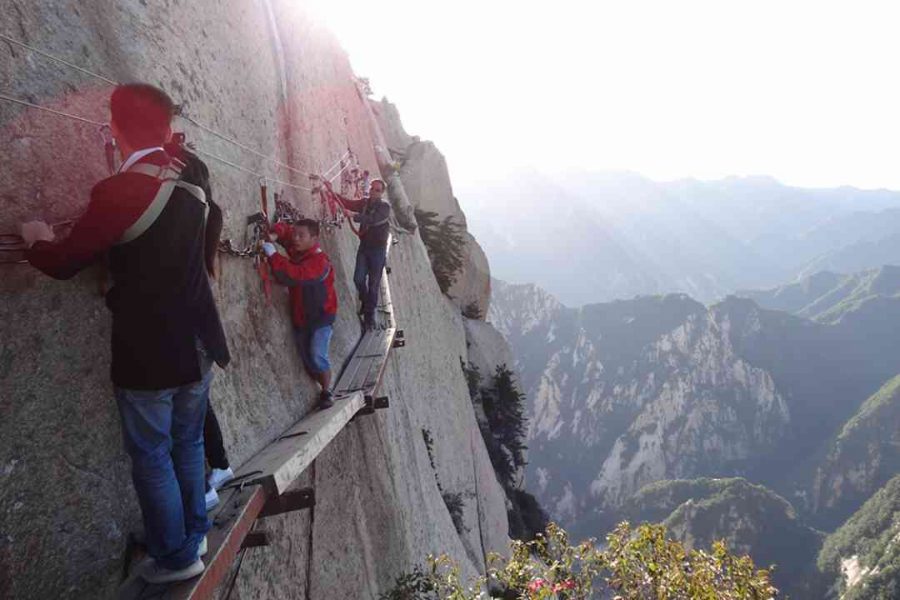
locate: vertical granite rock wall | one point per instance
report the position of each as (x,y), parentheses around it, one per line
(261,72)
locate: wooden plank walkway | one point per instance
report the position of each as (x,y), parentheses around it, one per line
(262,482)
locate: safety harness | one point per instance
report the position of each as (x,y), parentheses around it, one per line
(169,177)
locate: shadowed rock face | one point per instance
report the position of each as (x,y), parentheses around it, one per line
(861,458)
(264,74)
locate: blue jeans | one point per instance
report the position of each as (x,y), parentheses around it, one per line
(367,276)
(163,433)
(313,348)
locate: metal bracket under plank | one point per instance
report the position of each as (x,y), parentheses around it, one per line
(289,501)
(373,404)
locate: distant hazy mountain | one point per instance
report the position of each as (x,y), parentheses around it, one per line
(598,237)
(826,296)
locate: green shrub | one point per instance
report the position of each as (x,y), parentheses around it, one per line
(635,564)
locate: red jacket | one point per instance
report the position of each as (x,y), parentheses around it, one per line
(310,280)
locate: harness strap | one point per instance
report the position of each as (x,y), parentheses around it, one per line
(168,176)
(378,223)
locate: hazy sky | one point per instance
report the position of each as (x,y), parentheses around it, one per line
(808,92)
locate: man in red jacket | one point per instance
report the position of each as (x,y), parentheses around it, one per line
(310,279)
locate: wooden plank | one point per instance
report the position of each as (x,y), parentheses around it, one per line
(232,520)
(377,365)
(373,384)
(356,371)
(350,377)
(364,371)
(279,464)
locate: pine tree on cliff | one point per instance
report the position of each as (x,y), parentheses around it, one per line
(503,431)
(446,245)
(504,406)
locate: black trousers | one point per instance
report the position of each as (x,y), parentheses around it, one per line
(212,441)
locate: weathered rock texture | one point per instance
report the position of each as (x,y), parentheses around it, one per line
(263,73)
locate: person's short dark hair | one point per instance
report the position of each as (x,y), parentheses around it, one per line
(142,112)
(312,226)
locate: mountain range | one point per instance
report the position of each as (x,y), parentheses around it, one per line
(777,406)
(595,237)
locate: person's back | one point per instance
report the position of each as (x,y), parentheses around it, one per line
(150,219)
(161,293)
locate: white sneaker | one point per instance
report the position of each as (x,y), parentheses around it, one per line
(203,548)
(219,477)
(212,499)
(157,574)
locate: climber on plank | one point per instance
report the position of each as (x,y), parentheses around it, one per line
(310,281)
(373,214)
(155,220)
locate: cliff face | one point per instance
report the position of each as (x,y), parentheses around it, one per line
(266,75)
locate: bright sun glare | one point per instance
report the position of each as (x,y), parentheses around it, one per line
(803,91)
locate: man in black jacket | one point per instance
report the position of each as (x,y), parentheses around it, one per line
(373,215)
(155,221)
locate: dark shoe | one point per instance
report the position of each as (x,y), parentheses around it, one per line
(326,400)
(157,574)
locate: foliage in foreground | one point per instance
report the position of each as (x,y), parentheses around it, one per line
(636,564)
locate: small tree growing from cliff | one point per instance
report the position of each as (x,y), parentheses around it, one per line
(446,244)
(504,407)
